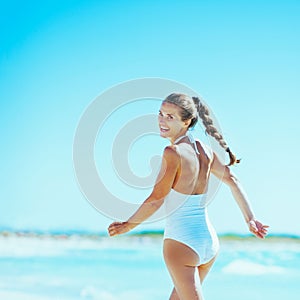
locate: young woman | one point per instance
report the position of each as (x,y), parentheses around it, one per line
(190,241)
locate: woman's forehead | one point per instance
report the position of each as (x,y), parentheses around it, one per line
(170,108)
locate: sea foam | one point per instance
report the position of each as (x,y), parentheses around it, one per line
(244,267)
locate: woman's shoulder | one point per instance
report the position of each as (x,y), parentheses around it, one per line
(207,149)
(171,150)
(171,155)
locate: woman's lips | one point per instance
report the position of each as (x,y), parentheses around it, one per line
(164,129)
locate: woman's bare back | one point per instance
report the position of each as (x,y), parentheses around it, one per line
(193,174)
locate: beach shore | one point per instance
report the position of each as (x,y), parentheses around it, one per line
(80,266)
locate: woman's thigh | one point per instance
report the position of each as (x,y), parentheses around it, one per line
(182,264)
(205,268)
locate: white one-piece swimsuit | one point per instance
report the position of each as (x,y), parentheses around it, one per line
(187,222)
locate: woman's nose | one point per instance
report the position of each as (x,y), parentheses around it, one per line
(161,120)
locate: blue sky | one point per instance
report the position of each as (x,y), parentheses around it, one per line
(56,57)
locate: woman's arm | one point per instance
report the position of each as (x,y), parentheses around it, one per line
(224,173)
(163,185)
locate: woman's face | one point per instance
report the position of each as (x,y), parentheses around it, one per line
(169,120)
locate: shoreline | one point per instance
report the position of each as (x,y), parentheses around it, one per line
(71,234)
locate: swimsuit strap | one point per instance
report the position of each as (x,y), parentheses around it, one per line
(179,139)
(191,139)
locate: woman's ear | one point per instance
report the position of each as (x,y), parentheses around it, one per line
(187,123)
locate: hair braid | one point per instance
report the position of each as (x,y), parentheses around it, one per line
(210,129)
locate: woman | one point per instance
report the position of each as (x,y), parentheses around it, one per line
(190,242)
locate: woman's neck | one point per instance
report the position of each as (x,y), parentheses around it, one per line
(179,138)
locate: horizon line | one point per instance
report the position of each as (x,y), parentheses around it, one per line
(145,232)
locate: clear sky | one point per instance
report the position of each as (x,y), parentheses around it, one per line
(57,56)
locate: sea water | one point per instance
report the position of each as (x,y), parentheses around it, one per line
(132,267)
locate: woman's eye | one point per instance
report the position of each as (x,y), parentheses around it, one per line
(168,117)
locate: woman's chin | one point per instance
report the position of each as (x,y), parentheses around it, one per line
(164,134)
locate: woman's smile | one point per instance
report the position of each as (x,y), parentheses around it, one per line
(164,129)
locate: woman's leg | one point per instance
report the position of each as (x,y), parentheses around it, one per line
(204,269)
(181,262)
(174,295)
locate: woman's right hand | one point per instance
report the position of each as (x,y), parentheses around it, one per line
(258,229)
(117,228)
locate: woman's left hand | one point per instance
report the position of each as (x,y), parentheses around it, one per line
(258,228)
(118,228)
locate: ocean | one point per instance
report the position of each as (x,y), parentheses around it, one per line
(72,266)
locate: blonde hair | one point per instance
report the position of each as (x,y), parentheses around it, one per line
(192,109)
